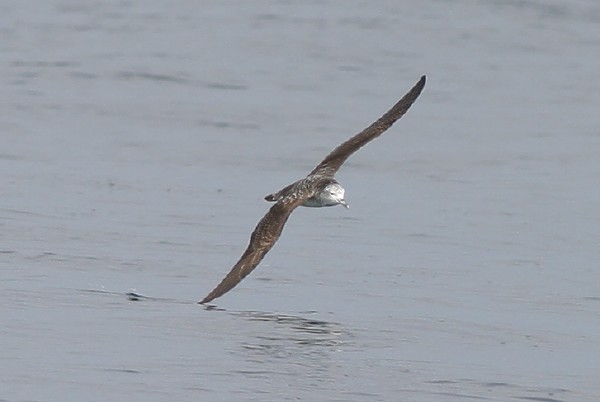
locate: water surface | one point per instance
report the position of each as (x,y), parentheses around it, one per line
(138,139)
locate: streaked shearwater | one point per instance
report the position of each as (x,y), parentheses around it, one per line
(318,189)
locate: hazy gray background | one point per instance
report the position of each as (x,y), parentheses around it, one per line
(139,137)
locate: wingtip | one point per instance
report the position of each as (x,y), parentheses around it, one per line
(416,90)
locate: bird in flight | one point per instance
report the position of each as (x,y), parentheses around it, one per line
(318,189)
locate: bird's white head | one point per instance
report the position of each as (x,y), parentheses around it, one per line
(333,194)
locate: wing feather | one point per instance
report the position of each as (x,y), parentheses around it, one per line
(263,238)
(332,162)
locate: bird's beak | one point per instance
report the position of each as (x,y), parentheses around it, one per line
(345,204)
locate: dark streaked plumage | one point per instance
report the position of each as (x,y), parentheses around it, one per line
(318,189)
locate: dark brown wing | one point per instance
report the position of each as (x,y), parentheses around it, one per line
(262,240)
(338,156)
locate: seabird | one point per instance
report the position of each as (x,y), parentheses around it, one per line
(318,189)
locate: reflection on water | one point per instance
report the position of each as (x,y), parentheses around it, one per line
(284,328)
(288,335)
(295,330)
(302,351)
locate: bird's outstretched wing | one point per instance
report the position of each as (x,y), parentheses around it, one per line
(332,162)
(262,240)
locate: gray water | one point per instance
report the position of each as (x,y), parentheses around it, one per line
(139,137)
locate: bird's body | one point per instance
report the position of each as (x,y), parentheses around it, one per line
(328,192)
(318,189)
(329,196)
